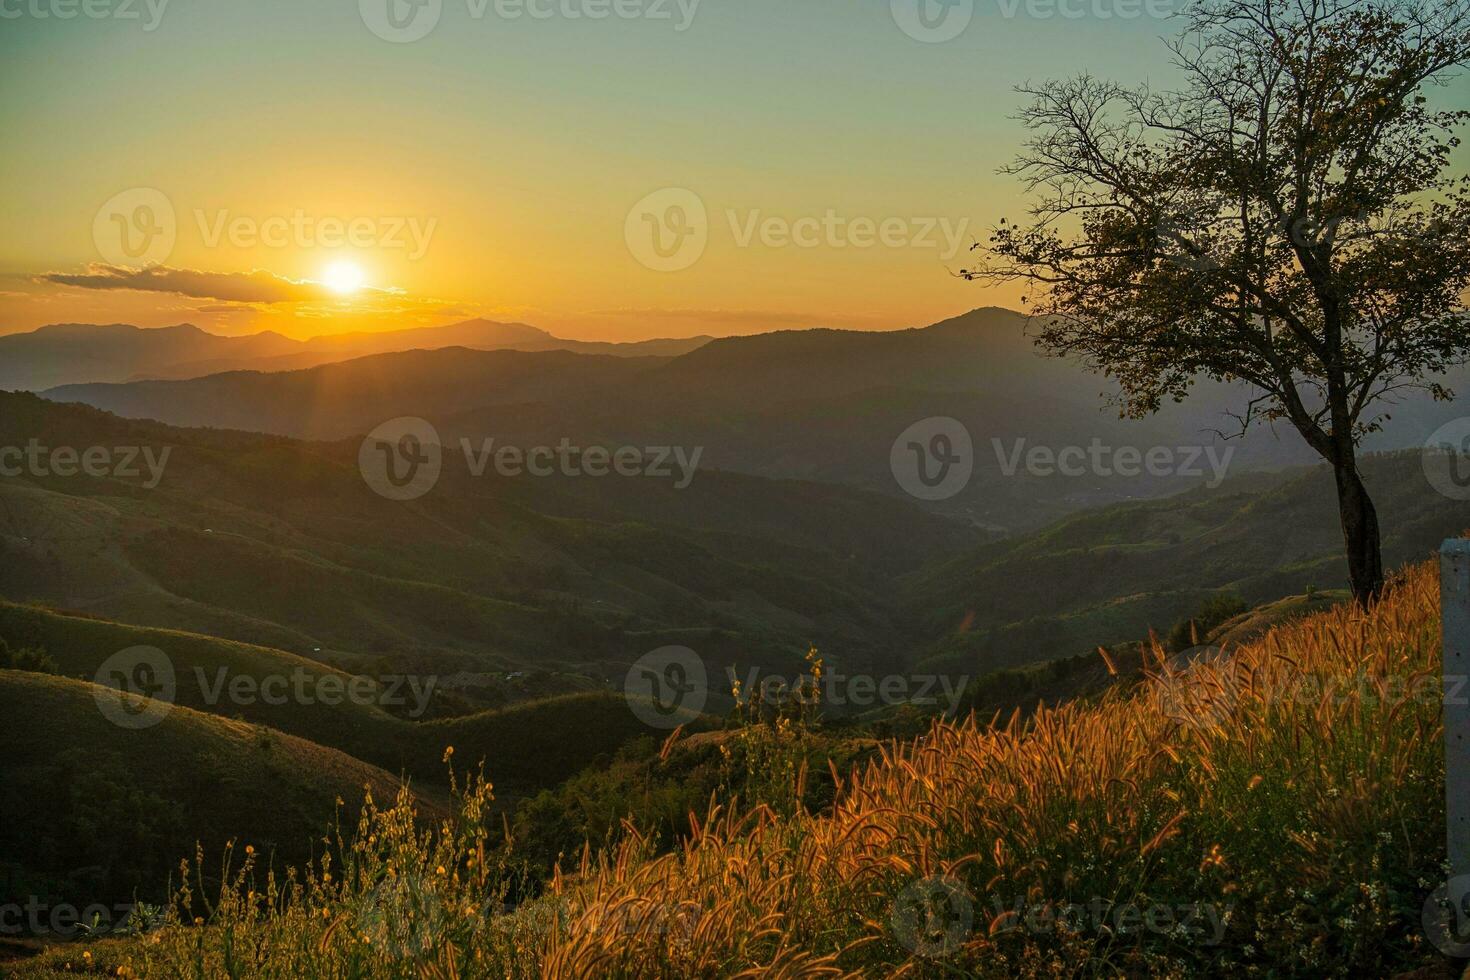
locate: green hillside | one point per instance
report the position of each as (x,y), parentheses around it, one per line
(94,811)
(1112,574)
(380,727)
(278,543)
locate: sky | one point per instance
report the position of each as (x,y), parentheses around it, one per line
(604,169)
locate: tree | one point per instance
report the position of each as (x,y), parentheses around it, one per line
(1285,218)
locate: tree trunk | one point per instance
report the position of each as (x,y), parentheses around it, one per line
(1360,533)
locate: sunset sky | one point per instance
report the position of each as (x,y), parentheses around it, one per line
(489,168)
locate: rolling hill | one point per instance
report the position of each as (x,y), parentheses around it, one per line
(282,544)
(278,543)
(1112,574)
(95,813)
(380,728)
(345,399)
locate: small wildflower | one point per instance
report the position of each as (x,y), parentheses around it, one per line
(1214,859)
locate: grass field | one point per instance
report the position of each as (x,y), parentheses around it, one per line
(1270,814)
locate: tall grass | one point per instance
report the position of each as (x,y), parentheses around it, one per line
(1278,812)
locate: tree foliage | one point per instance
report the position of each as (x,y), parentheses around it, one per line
(1287,218)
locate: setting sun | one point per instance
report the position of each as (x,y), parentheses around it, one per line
(343,277)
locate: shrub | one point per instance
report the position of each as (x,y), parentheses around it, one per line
(32,659)
(1193,630)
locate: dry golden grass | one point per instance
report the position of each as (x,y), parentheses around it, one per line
(1290,796)
(1310,759)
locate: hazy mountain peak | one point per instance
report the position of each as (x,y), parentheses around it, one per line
(59,330)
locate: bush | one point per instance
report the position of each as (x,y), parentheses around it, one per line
(1193,630)
(32,659)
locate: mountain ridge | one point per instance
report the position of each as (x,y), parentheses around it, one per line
(114,353)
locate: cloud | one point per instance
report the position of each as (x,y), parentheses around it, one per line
(226,308)
(257,286)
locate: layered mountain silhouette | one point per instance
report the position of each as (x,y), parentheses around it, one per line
(78,353)
(816,405)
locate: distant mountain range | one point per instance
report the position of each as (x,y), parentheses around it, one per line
(280,543)
(813,405)
(80,353)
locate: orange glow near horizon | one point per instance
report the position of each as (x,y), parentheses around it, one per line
(780,187)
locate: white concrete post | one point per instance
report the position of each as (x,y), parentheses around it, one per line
(1454,578)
